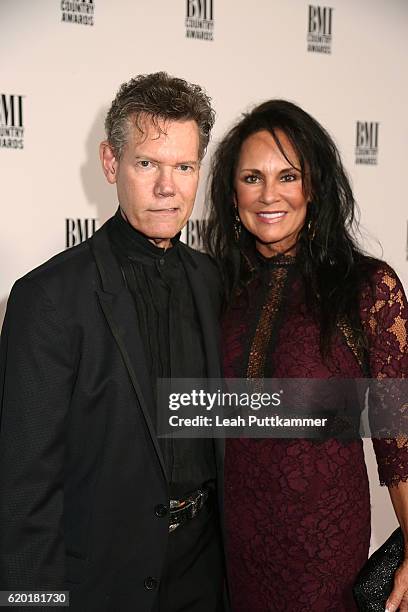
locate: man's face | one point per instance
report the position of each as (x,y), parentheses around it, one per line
(156,177)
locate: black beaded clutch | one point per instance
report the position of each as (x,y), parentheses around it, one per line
(376,579)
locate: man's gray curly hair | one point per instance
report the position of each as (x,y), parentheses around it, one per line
(160,97)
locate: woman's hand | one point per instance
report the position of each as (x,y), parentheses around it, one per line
(398,600)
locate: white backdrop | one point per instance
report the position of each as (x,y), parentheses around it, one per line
(67,73)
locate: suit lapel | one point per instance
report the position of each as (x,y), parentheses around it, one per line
(211,338)
(119,310)
(206,314)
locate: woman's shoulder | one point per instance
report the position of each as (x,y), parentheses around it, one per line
(382,292)
(376,274)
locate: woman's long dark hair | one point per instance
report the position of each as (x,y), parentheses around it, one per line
(330,261)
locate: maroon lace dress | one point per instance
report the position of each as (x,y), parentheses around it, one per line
(298,512)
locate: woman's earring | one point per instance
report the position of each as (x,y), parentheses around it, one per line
(311,230)
(311,227)
(311,233)
(237,225)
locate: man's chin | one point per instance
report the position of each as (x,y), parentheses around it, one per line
(163,238)
(160,231)
(164,231)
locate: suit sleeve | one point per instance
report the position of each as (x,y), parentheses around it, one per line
(35,389)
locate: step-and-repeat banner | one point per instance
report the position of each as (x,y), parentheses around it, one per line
(62,62)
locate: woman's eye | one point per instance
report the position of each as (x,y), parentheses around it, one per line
(287,178)
(251,179)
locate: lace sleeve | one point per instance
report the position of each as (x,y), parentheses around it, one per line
(384,315)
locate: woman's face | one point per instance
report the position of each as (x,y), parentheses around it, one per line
(269,193)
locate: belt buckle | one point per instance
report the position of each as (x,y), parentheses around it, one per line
(197,503)
(173,527)
(175,505)
(191,506)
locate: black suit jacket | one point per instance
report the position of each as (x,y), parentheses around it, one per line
(81,471)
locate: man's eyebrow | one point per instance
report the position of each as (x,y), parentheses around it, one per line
(156,161)
(147,158)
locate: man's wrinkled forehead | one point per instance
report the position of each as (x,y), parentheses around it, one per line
(172,137)
(142,127)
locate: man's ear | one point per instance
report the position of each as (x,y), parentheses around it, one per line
(108,161)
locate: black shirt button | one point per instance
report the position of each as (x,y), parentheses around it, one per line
(161,261)
(161,511)
(150,583)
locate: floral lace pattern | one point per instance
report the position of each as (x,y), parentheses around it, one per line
(298,512)
(384,313)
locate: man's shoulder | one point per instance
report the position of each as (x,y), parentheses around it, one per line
(68,273)
(60,284)
(61,263)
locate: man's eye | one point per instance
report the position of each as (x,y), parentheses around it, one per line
(185,167)
(251,179)
(144,163)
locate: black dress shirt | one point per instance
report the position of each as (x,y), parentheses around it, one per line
(172,339)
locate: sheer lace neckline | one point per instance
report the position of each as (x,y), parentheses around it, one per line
(280,259)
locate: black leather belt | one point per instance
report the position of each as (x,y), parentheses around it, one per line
(182,510)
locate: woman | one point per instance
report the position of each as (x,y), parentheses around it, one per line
(303,302)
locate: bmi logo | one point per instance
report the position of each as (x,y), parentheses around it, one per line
(195,229)
(78,230)
(78,11)
(200,19)
(367,142)
(11,121)
(319,33)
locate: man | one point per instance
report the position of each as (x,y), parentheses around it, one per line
(91,499)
